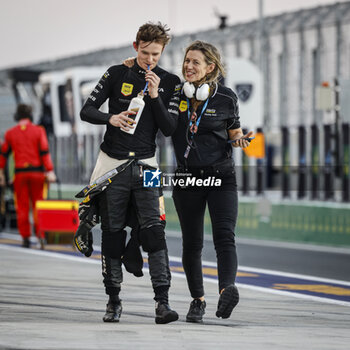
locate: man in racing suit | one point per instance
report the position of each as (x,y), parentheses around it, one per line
(30,148)
(120,84)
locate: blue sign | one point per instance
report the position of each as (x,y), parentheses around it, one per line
(152,178)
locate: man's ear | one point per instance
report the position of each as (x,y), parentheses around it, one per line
(135,46)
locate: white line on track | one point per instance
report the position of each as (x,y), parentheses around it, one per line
(210,280)
(276,244)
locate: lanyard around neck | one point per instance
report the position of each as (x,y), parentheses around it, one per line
(190,143)
(200,116)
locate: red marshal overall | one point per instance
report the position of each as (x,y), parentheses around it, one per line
(29,145)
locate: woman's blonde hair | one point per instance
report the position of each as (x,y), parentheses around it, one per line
(211,55)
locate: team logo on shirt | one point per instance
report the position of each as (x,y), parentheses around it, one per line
(178,87)
(127,89)
(210,112)
(183,106)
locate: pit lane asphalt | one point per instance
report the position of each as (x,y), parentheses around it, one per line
(56,301)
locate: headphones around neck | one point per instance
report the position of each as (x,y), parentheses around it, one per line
(200,93)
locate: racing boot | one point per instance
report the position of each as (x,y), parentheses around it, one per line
(228,300)
(196,311)
(164,314)
(113,311)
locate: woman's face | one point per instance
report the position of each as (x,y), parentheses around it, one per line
(195,67)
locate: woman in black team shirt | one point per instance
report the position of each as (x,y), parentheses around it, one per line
(208,120)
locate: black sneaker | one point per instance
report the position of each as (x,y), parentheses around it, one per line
(229,298)
(164,314)
(113,312)
(26,243)
(196,311)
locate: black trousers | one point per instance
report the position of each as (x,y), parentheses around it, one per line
(222,203)
(125,189)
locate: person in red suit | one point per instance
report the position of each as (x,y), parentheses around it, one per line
(33,166)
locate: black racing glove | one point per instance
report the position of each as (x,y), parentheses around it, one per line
(83,238)
(89,217)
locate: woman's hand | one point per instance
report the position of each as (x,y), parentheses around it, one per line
(237,135)
(122,120)
(129,62)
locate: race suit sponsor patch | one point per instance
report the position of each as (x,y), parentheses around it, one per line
(127,89)
(183,106)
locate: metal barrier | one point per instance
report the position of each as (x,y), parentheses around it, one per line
(74,157)
(311,172)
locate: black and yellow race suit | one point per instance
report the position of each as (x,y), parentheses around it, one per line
(119,85)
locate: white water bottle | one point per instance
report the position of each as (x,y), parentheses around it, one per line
(136,105)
